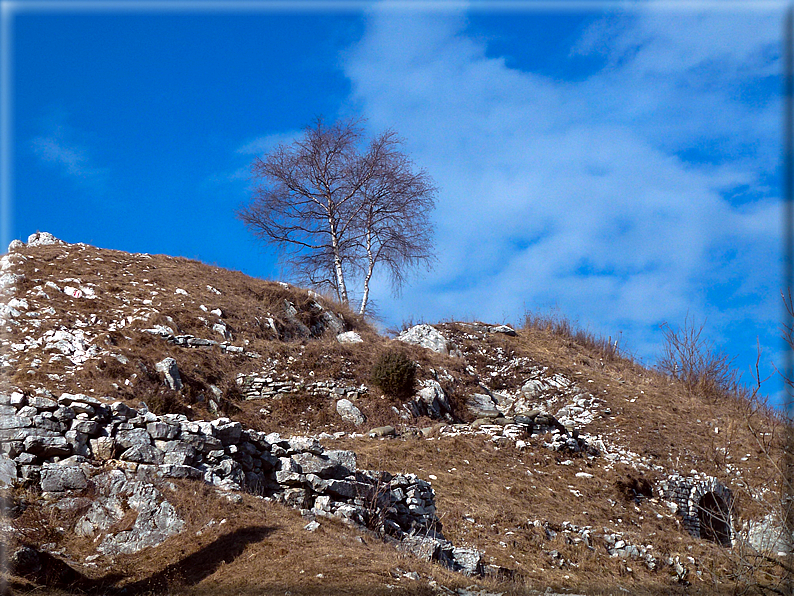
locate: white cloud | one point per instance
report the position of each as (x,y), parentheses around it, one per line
(264,144)
(582,194)
(72,159)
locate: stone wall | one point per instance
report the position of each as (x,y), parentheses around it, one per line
(61,444)
(698,499)
(270,386)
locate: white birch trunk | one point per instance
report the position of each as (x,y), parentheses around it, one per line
(341,289)
(370,267)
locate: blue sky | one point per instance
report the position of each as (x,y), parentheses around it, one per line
(620,166)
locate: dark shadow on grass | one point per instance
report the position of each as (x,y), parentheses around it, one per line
(52,572)
(201,564)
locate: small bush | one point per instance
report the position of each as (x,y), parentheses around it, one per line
(394,374)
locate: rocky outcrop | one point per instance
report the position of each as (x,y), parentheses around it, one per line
(769,535)
(349,337)
(430,401)
(427,337)
(170,371)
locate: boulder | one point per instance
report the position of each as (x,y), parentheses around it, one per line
(533,388)
(345,460)
(56,446)
(482,406)
(162,430)
(143,454)
(43,403)
(308,444)
(228,432)
(104,512)
(178,453)
(127,438)
(62,478)
(13,422)
(8,470)
(349,337)
(349,412)
(222,330)
(432,401)
(505,329)
(103,448)
(425,336)
(155,523)
(88,427)
(382,431)
(168,367)
(122,410)
(467,560)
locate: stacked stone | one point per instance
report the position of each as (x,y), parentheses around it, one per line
(258,386)
(56,444)
(618,546)
(331,388)
(191,341)
(38,429)
(685,493)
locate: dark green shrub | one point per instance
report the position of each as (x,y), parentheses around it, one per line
(394,374)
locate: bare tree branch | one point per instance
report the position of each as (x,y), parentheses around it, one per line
(335,212)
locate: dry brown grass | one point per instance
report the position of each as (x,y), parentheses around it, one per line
(650,414)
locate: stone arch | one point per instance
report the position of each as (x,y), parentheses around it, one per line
(704,504)
(715,519)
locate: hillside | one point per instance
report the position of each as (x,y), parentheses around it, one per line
(525,459)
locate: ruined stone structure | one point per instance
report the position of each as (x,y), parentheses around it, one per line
(63,444)
(704,504)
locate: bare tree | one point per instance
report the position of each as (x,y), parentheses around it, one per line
(335,211)
(393,227)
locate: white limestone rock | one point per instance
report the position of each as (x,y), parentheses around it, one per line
(482,406)
(427,337)
(349,412)
(349,337)
(8,470)
(43,239)
(15,245)
(168,367)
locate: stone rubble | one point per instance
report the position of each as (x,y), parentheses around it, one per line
(616,544)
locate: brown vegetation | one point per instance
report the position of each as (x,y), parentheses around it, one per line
(489,493)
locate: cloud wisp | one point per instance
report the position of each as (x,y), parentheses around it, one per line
(70,158)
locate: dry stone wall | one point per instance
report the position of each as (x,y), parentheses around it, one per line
(65,444)
(704,504)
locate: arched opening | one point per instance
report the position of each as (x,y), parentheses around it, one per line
(714,519)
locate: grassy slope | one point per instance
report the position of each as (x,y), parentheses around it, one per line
(476,478)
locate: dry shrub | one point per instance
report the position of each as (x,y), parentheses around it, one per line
(394,374)
(693,360)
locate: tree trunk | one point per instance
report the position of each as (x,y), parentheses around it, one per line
(370,267)
(341,289)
